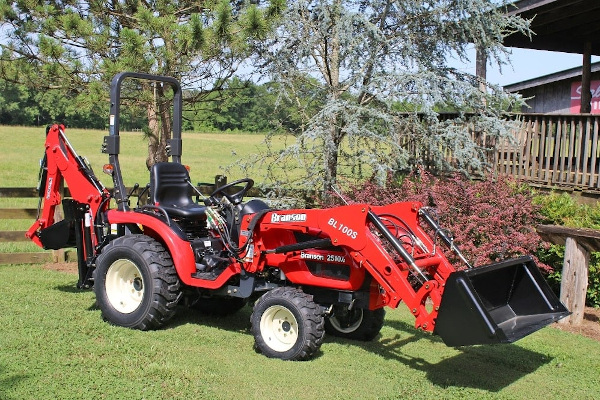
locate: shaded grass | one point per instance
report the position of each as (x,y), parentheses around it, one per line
(54,344)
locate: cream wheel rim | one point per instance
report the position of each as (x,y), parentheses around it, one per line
(279,328)
(124,286)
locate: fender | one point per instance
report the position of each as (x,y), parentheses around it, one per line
(179,249)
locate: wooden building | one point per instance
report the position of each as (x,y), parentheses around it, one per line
(556,142)
(558,93)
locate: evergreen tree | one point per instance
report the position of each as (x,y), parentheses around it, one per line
(76,46)
(381,68)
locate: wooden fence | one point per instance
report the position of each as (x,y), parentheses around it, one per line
(58,255)
(19,236)
(553,151)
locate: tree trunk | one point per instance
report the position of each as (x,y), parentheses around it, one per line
(166,122)
(159,123)
(332,148)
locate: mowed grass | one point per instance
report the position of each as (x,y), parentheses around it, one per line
(54,345)
(207,154)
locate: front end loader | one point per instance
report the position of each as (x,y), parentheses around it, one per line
(306,271)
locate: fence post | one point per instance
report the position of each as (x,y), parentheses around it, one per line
(573,285)
(220,180)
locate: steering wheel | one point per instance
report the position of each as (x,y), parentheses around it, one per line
(235,198)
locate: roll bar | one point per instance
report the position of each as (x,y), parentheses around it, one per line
(111,144)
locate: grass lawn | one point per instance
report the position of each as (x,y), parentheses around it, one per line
(54,345)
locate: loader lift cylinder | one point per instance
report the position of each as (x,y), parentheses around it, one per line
(379,225)
(448,241)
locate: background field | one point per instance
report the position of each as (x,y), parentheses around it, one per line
(207,154)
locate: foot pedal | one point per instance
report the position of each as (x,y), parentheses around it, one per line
(207,276)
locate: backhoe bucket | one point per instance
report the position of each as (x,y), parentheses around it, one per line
(496,303)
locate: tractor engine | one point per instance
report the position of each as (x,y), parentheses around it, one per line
(193,228)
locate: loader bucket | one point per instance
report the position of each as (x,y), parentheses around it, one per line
(496,303)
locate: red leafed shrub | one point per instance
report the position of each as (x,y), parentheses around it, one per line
(491,220)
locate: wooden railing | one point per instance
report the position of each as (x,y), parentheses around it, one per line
(546,150)
(553,151)
(19,236)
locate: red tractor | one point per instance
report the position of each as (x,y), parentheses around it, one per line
(307,271)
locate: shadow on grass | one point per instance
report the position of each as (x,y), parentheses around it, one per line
(185,315)
(8,381)
(486,367)
(237,322)
(71,289)
(490,367)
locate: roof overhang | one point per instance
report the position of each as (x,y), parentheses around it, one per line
(550,78)
(558,25)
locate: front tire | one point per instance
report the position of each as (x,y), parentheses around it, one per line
(356,324)
(287,324)
(136,284)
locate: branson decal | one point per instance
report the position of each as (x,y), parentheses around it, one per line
(312,256)
(288,217)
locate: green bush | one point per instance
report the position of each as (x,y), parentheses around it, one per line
(562,209)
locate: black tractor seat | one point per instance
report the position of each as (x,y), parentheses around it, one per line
(170,189)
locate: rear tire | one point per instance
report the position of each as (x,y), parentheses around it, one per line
(287,324)
(356,324)
(136,284)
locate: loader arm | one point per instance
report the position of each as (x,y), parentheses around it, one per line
(403,271)
(496,303)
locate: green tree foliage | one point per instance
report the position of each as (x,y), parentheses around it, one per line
(243,105)
(240,106)
(381,69)
(17,105)
(76,46)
